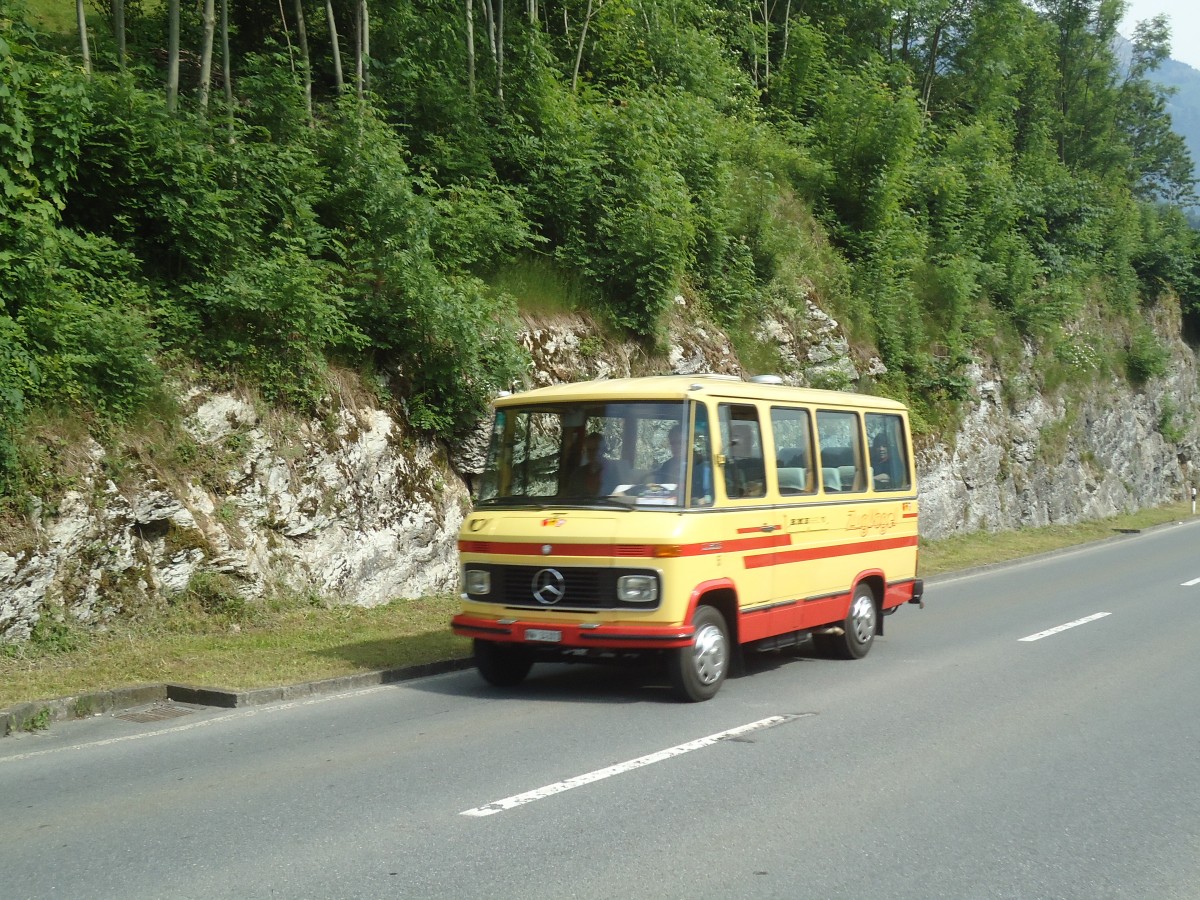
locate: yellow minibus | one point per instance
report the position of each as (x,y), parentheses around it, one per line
(689,517)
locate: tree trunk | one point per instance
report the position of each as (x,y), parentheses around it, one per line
(363,48)
(493,17)
(287,36)
(766,13)
(172,54)
(500,50)
(366,30)
(358,51)
(305,62)
(931,68)
(589,14)
(787,28)
(83,37)
(118,9)
(470,6)
(489,24)
(337,50)
(227,65)
(208,18)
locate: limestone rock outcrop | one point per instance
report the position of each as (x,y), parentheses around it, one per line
(357,508)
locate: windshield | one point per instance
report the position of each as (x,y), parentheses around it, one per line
(597,453)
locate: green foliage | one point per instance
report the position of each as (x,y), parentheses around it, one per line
(75,328)
(868,133)
(90,329)
(19,378)
(450,337)
(1165,253)
(933,176)
(49,635)
(632,224)
(1169,424)
(39,721)
(1146,357)
(273,317)
(217,595)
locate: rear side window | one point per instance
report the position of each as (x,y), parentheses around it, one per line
(744,472)
(793,450)
(841,452)
(890,470)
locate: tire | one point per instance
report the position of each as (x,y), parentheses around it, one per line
(858,630)
(698,670)
(502,665)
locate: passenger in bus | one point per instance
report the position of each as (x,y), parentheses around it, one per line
(594,476)
(745,474)
(882,465)
(670,471)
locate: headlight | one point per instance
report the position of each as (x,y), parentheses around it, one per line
(637,588)
(477,581)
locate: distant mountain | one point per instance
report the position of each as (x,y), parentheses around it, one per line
(1184,108)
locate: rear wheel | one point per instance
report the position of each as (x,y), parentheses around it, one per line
(503,665)
(698,670)
(858,631)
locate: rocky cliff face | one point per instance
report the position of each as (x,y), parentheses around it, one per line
(358,509)
(353,508)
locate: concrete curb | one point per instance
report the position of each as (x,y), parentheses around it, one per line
(39,714)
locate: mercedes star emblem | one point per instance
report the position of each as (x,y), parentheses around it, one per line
(549,586)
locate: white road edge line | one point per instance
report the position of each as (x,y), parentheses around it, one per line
(620,768)
(1050,631)
(1192,583)
(230,716)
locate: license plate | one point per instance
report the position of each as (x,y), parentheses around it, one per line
(543,634)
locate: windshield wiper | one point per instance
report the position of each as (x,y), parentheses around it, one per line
(512,501)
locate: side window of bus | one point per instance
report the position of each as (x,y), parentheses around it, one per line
(841,451)
(702,468)
(741,438)
(889,456)
(793,450)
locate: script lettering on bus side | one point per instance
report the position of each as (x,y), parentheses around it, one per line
(878,521)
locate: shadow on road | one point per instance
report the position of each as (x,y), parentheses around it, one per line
(622,682)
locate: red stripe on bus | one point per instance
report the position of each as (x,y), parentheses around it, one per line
(523,548)
(625,551)
(829,552)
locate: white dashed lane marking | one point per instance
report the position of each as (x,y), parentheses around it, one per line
(1050,631)
(621,768)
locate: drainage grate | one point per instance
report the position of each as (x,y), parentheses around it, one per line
(155,713)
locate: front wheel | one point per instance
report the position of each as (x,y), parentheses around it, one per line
(858,631)
(503,665)
(697,671)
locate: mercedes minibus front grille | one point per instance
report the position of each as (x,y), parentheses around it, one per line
(580,587)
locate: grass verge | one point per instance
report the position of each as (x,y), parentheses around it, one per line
(268,646)
(248,646)
(986,548)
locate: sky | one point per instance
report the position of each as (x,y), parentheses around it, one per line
(1184,16)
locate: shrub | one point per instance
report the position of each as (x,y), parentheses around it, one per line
(1146,357)
(274,318)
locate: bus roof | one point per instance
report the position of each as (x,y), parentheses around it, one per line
(686,387)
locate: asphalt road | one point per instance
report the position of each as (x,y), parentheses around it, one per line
(963,758)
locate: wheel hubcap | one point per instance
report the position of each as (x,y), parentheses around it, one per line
(863,618)
(709,654)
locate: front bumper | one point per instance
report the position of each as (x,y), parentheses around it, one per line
(573,634)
